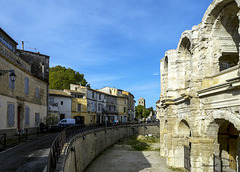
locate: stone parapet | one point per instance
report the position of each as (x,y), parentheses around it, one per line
(78,153)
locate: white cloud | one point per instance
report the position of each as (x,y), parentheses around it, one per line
(156,74)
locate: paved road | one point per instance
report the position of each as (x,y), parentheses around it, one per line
(31,156)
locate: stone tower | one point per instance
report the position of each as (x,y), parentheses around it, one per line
(141,101)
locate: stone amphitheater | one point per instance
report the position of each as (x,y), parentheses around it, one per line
(200,94)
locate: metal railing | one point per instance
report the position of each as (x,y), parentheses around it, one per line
(3,140)
(62,138)
(23,135)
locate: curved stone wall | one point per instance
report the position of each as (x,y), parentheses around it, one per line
(85,147)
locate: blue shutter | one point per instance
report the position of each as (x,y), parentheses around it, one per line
(11,113)
(27,85)
(26,115)
(26,88)
(37,92)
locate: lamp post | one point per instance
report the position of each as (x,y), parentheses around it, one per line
(12,74)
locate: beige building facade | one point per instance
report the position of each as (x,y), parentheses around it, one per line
(125,104)
(23,102)
(200,92)
(141,102)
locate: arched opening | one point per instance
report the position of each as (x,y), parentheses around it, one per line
(226,151)
(184,128)
(228,60)
(226,36)
(165,74)
(183,151)
(228,141)
(185,63)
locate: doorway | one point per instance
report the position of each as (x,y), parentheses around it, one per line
(228,141)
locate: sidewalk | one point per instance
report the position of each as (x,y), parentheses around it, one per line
(12,141)
(31,155)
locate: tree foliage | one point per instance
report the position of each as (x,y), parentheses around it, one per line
(60,78)
(139,111)
(142,112)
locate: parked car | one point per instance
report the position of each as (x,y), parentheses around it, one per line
(66,123)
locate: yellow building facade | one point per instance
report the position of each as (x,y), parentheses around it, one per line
(23,102)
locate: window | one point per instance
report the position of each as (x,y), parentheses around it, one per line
(37,92)
(100,96)
(93,95)
(92,105)
(125,109)
(6,43)
(61,102)
(78,107)
(99,107)
(27,115)
(37,118)
(26,88)
(51,101)
(11,114)
(125,101)
(11,83)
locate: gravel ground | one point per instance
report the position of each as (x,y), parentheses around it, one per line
(122,158)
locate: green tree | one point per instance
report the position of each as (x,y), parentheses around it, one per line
(139,111)
(60,78)
(146,113)
(142,112)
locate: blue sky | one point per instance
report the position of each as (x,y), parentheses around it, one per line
(116,43)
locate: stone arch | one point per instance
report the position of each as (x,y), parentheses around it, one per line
(214,9)
(184,128)
(164,74)
(185,42)
(184,66)
(182,144)
(222,20)
(214,119)
(226,143)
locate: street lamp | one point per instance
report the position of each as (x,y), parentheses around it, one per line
(12,74)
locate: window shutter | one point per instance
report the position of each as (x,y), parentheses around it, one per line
(37,92)
(26,115)
(26,88)
(27,85)
(11,112)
